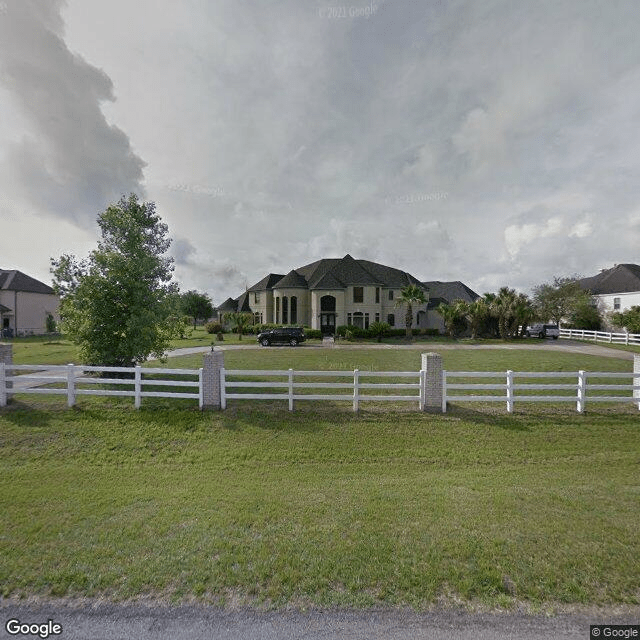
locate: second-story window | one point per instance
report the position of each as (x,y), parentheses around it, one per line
(358,294)
(377,294)
(616,304)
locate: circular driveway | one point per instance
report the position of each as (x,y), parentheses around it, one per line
(567,346)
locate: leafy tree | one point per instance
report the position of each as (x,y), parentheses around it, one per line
(586,315)
(410,295)
(559,300)
(239,321)
(114,303)
(629,319)
(197,305)
(379,330)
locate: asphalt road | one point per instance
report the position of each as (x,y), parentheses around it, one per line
(141,622)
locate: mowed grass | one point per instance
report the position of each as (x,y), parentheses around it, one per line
(322,507)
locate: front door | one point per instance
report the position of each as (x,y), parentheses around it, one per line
(328,323)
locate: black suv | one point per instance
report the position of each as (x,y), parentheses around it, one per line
(284,335)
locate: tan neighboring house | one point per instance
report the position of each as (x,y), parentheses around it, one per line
(24,304)
(328,293)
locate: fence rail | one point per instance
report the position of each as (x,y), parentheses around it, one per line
(353,387)
(71,380)
(580,386)
(601,336)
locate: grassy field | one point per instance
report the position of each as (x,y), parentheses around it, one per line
(323,507)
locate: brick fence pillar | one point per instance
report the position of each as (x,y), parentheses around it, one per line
(212,363)
(432,364)
(6,357)
(636,379)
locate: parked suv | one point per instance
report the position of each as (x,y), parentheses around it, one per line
(284,335)
(543,331)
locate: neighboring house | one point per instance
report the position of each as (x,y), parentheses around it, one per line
(24,304)
(331,292)
(616,289)
(445,292)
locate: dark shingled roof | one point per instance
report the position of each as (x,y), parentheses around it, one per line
(622,278)
(337,273)
(448,292)
(267,282)
(228,305)
(293,280)
(13,280)
(243,302)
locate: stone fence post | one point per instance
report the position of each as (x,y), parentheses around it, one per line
(212,363)
(6,357)
(432,364)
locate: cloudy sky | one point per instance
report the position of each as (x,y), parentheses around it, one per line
(495,142)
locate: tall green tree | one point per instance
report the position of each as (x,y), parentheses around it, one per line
(559,299)
(411,295)
(197,305)
(114,303)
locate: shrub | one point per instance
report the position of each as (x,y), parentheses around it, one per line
(379,330)
(51,323)
(213,327)
(313,333)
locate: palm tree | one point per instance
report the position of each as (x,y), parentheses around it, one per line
(476,313)
(511,310)
(239,321)
(453,315)
(410,295)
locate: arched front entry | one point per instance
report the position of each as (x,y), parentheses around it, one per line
(328,314)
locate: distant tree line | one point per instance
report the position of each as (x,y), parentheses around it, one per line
(507,313)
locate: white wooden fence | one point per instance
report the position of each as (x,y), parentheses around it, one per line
(352,390)
(71,380)
(354,386)
(579,390)
(601,336)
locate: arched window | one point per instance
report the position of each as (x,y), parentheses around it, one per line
(285,310)
(327,303)
(294,310)
(277,318)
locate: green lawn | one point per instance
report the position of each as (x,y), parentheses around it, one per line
(260,506)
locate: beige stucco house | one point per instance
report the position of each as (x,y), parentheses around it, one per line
(328,293)
(24,304)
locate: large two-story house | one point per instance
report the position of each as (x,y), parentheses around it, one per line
(328,293)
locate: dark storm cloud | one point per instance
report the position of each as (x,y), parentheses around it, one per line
(70,162)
